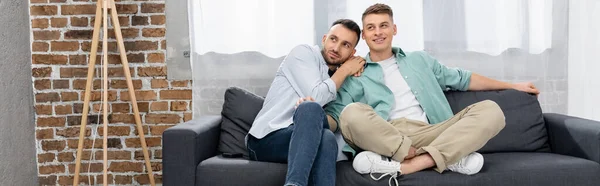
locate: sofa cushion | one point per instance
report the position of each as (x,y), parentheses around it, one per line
(526,168)
(240,107)
(525,130)
(238,171)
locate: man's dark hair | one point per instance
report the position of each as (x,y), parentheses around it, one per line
(378,9)
(349,24)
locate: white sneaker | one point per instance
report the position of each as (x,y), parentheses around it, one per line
(469,165)
(370,162)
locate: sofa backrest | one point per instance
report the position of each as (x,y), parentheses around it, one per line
(525,130)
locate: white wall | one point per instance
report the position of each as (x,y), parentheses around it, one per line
(584,59)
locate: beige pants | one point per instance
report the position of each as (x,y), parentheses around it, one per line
(447,142)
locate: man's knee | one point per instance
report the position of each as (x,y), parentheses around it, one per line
(309,106)
(328,141)
(353,111)
(494,114)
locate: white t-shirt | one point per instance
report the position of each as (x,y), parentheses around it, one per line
(406,104)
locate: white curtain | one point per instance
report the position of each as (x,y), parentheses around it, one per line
(272,27)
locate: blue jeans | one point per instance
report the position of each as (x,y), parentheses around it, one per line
(308,147)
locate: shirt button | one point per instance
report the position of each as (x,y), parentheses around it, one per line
(405,77)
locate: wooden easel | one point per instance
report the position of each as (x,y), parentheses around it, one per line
(102,8)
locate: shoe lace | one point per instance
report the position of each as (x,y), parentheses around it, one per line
(393,176)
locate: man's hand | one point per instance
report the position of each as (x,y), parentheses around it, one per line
(411,153)
(303,100)
(353,66)
(526,87)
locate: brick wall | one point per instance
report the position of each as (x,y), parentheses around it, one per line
(62,32)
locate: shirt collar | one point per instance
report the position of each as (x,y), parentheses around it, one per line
(395,50)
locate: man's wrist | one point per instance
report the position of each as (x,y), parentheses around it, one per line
(344,71)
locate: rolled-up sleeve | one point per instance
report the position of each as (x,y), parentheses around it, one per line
(301,67)
(452,78)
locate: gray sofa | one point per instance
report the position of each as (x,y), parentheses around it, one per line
(534,148)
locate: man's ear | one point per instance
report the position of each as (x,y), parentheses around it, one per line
(362,34)
(324,38)
(395,29)
(353,51)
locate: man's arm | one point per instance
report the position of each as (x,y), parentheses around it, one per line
(302,69)
(346,95)
(479,82)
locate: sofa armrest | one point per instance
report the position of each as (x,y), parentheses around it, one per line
(574,136)
(186,145)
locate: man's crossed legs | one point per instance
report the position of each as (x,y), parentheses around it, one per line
(438,145)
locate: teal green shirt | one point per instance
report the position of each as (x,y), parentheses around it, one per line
(426,77)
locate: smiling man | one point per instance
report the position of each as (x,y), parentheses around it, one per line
(397,108)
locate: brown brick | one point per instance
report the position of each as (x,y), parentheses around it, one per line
(158,154)
(40,47)
(78,59)
(78,9)
(38,1)
(97,95)
(49,59)
(53,145)
(79,21)
(153,32)
(162,118)
(47,180)
(43,10)
(43,109)
(158,130)
(183,83)
(87,143)
(79,34)
(144,128)
(114,155)
(125,167)
(187,117)
(87,46)
(159,83)
(63,109)
(142,95)
(176,94)
(112,59)
(58,22)
(153,8)
(86,155)
(152,71)
(69,96)
(60,84)
(51,121)
(47,97)
(127,8)
(44,134)
(68,180)
(139,20)
(109,179)
(51,169)
(123,180)
(145,179)
(41,72)
(64,46)
(45,157)
(58,1)
(118,72)
(41,84)
(141,45)
(156,166)
(157,19)
(139,155)
(156,58)
(76,120)
(125,32)
(179,106)
(72,132)
(122,84)
(120,107)
(121,118)
(73,72)
(135,142)
(39,23)
(124,21)
(115,131)
(79,84)
(46,35)
(94,167)
(66,157)
(159,106)
(136,58)
(143,106)
(163,44)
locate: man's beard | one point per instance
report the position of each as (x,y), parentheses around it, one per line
(330,63)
